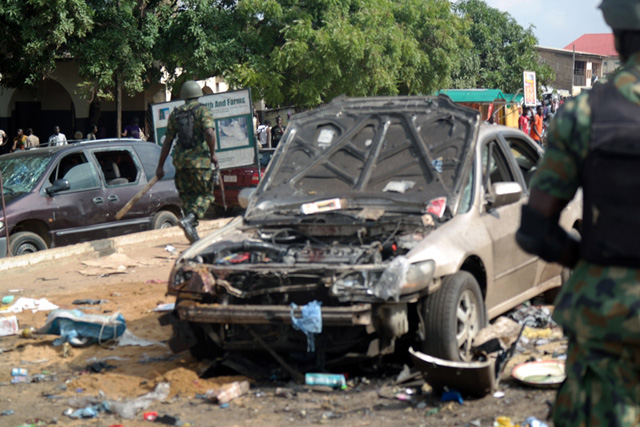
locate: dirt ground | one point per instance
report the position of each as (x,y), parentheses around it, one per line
(133,283)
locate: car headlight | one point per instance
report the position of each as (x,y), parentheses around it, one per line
(403,278)
(418,277)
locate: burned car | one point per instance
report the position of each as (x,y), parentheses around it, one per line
(396,216)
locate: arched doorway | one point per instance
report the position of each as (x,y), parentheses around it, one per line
(41,109)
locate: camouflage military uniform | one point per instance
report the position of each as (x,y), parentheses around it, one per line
(193,166)
(599,307)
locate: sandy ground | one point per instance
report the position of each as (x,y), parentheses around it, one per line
(134,291)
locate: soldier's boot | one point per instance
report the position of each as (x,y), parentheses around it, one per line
(188,224)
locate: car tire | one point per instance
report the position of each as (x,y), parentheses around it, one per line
(453,316)
(164,219)
(26,242)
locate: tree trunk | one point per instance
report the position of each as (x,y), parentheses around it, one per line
(118,106)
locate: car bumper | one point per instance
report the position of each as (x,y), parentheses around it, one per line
(354,315)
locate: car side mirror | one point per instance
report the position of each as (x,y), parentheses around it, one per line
(58,185)
(505,193)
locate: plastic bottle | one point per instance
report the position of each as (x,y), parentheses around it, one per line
(331,380)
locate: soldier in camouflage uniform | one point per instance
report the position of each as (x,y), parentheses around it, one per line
(594,143)
(193,158)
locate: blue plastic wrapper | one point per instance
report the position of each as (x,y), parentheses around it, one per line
(78,328)
(452,396)
(310,323)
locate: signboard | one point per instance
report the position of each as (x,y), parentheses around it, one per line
(530,91)
(232,115)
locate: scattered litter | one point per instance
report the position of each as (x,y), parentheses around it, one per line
(104,359)
(155,359)
(30,304)
(169,306)
(398,186)
(310,323)
(97,367)
(330,380)
(90,301)
(127,338)
(19,372)
(7,412)
(88,412)
(8,299)
(498,394)
(533,315)
(285,392)
(129,408)
(452,396)
(503,422)
(228,392)
(168,420)
(534,422)
(79,328)
(533,333)
(544,373)
(171,249)
(150,416)
(155,281)
(27,332)
(8,326)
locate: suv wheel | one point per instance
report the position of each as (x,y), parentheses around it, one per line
(26,242)
(164,219)
(453,316)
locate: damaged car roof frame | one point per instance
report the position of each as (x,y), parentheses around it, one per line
(465,259)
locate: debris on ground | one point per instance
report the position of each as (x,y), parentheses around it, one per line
(537,316)
(24,304)
(330,380)
(79,328)
(228,392)
(8,326)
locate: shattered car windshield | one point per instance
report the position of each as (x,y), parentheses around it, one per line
(20,174)
(396,153)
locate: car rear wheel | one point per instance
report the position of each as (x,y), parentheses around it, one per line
(26,242)
(453,316)
(164,219)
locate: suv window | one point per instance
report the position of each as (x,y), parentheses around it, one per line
(117,167)
(77,170)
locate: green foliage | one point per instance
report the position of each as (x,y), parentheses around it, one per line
(34,33)
(306,53)
(120,45)
(502,50)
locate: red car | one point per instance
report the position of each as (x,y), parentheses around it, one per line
(236,179)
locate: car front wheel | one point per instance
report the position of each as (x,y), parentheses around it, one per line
(164,219)
(26,242)
(453,316)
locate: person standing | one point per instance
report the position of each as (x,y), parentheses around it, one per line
(536,125)
(132,130)
(194,156)
(20,141)
(593,143)
(32,140)
(58,138)
(276,132)
(523,120)
(93,131)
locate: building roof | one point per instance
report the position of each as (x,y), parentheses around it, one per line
(600,44)
(514,98)
(473,95)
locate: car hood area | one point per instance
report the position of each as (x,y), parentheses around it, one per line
(394,153)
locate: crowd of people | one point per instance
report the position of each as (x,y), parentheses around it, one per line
(26,140)
(534,121)
(268,136)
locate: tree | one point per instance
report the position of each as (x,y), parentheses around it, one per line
(34,33)
(306,53)
(118,52)
(502,50)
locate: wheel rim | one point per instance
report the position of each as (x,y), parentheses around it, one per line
(166,224)
(26,248)
(468,323)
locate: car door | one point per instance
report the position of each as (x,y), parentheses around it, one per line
(514,270)
(78,214)
(122,177)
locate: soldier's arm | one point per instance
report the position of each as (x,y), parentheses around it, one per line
(164,153)
(210,137)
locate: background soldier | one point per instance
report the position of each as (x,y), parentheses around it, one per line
(193,157)
(594,142)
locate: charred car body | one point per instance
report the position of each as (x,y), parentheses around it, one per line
(397,214)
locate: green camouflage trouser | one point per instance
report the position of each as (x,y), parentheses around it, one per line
(196,190)
(602,387)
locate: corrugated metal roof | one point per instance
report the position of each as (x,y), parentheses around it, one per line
(516,99)
(599,44)
(473,95)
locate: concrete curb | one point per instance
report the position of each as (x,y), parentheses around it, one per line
(105,246)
